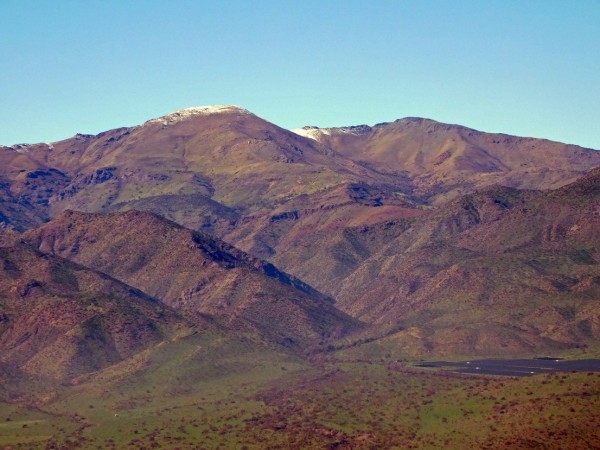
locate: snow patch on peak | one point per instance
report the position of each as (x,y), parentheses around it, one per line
(314,133)
(21,148)
(184,114)
(25,148)
(356,130)
(317,133)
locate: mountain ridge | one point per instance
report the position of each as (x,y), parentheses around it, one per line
(364,128)
(61,320)
(195,273)
(329,212)
(195,157)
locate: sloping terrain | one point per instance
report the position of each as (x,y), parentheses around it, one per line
(212,154)
(195,273)
(26,186)
(444,161)
(317,206)
(372,216)
(121,328)
(227,171)
(499,271)
(59,320)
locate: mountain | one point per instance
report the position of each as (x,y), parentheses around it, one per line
(25,188)
(208,279)
(337,208)
(195,273)
(214,167)
(498,271)
(215,158)
(444,160)
(59,320)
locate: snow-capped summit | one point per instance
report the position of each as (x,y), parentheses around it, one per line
(317,133)
(312,132)
(186,113)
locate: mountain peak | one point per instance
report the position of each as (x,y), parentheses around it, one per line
(311,132)
(317,133)
(187,113)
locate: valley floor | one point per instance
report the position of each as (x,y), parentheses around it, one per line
(335,405)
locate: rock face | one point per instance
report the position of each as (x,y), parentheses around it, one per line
(195,273)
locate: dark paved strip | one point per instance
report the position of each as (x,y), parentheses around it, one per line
(517,367)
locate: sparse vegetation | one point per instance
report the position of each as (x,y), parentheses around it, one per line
(346,405)
(126,330)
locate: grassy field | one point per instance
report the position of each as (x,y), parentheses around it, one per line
(283,403)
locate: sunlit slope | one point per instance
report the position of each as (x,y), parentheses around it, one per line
(446,160)
(499,271)
(194,272)
(59,320)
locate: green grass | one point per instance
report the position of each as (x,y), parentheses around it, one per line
(286,404)
(29,427)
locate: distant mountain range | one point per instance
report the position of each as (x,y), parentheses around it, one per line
(419,237)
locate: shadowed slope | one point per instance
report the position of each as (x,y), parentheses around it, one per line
(26,186)
(499,271)
(194,272)
(225,154)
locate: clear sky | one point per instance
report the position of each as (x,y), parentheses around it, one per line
(523,67)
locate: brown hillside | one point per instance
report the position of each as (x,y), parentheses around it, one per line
(297,201)
(194,272)
(448,160)
(25,188)
(228,154)
(502,270)
(338,208)
(60,320)
(218,167)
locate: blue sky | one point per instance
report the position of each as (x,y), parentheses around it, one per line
(520,67)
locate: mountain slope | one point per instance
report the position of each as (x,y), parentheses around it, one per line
(337,208)
(194,272)
(26,187)
(499,271)
(59,320)
(448,160)
(225,154)
(273,193)
(232,165)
